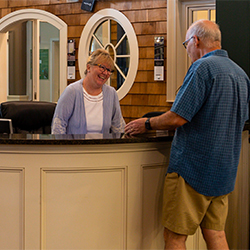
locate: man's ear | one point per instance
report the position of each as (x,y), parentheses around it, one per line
(196,41)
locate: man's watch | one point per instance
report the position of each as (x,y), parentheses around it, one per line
(147,124)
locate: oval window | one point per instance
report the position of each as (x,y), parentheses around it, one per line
(111,30)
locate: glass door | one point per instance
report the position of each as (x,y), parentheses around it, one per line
(33,61)
(17,63)
(48,63)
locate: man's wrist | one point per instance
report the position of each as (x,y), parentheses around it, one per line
(147,124)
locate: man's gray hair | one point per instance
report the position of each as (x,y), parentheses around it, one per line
(208,32)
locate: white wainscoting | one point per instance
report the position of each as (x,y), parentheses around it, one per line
(83,197)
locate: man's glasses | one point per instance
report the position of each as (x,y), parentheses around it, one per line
(186,42)
(103,68)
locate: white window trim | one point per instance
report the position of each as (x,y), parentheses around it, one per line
(177,61)
(86,36)
(24,15)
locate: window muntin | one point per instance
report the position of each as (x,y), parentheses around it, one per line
(201,12)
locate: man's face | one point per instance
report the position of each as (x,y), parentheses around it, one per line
(191,48)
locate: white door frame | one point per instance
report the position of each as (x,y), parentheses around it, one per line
(53,69)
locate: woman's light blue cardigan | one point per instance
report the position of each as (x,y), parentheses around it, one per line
(70,117)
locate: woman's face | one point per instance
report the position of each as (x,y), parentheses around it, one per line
(99,73)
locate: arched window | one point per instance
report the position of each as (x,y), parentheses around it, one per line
(111,30)
(32,42)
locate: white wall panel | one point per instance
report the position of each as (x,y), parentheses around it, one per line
(152,191)
(84,208)
(11,208)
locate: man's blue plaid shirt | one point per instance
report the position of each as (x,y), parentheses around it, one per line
(214,100)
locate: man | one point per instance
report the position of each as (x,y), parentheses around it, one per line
(208,114)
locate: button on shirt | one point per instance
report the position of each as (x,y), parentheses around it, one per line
(214,100)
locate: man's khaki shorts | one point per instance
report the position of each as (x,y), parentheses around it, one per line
(184,209)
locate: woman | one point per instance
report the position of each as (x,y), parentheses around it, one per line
(89,105)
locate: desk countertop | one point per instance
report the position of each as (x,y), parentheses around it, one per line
(90,139)
(48,139)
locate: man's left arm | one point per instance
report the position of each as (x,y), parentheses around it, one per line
(166,121)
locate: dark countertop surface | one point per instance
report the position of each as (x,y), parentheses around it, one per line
(48,139)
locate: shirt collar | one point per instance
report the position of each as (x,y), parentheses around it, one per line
(217,52)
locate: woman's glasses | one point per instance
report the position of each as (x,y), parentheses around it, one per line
(103,68)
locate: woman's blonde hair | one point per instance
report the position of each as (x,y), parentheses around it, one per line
(100,56)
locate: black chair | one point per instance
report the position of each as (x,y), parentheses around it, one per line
(29,116)
(152,114)
(6,126)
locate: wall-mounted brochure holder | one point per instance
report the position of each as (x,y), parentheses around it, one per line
(71,59)
(159,58)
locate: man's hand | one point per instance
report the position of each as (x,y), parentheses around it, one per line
(136,127)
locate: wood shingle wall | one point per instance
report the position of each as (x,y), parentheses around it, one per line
(149,19)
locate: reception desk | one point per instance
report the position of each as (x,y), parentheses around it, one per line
(83,192)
